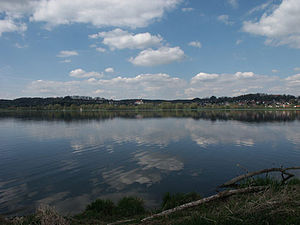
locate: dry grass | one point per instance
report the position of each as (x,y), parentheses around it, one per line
(48,216)
(267,207)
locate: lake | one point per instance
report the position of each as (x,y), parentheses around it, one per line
(68,159)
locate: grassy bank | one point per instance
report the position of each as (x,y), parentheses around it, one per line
(276,204)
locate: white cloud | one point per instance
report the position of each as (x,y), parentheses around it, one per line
(196,44)
(14,11)
(66,61)
(280,27)
(17,8)
(109,70)
(120,39)
(80,73)
(53,88)
(163,55)
(100,13)
(17,45)
(187,9)
(244,74)
(293,81)
(9,25)
(238,42)
(140,86)
(65,54)
(293,78)
(204,77)
(225,19)
(297,69)
(164,86)
(260,7)
(125,13)
(99,49)
(239,83)
(275,71)
(234,3)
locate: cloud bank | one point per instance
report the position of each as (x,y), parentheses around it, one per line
(164,86)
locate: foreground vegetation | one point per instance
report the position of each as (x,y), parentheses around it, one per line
(277,203)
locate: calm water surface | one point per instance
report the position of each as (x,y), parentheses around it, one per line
(67,160)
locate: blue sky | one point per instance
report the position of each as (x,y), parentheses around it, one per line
(166,49)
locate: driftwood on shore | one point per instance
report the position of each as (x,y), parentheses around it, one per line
(227,193)
(220,195)
(283,171)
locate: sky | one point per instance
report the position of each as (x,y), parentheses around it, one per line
(158,49)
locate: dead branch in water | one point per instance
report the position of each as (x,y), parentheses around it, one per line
(283,171)
(220,195)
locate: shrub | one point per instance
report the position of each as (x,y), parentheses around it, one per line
(103,207)
(130,206)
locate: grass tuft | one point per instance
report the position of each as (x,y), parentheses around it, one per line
(261,181)
(171,201)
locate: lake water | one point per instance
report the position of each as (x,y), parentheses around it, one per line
(67,160)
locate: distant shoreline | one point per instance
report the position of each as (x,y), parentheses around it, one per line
(148,110)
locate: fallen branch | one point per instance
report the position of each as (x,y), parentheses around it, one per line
(220,195)
(121,221)
(233,181)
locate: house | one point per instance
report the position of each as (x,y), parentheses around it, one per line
(139,102)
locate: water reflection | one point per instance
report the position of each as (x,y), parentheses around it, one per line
(213,115)
(67,159)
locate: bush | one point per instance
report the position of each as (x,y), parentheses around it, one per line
(130,206)
(103,207)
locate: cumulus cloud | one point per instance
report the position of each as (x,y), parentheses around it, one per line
(100,13)
(9,25)
(100,49)
(239,83)
(109,70)
(196,44)
(80,73)
(128,13)
(280,27)
(204,77)
(293,81)
(225,19)
(163,55)
(140,86)
(65,54)
(14,11)
(244,74)
(164,86)
(120,39)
